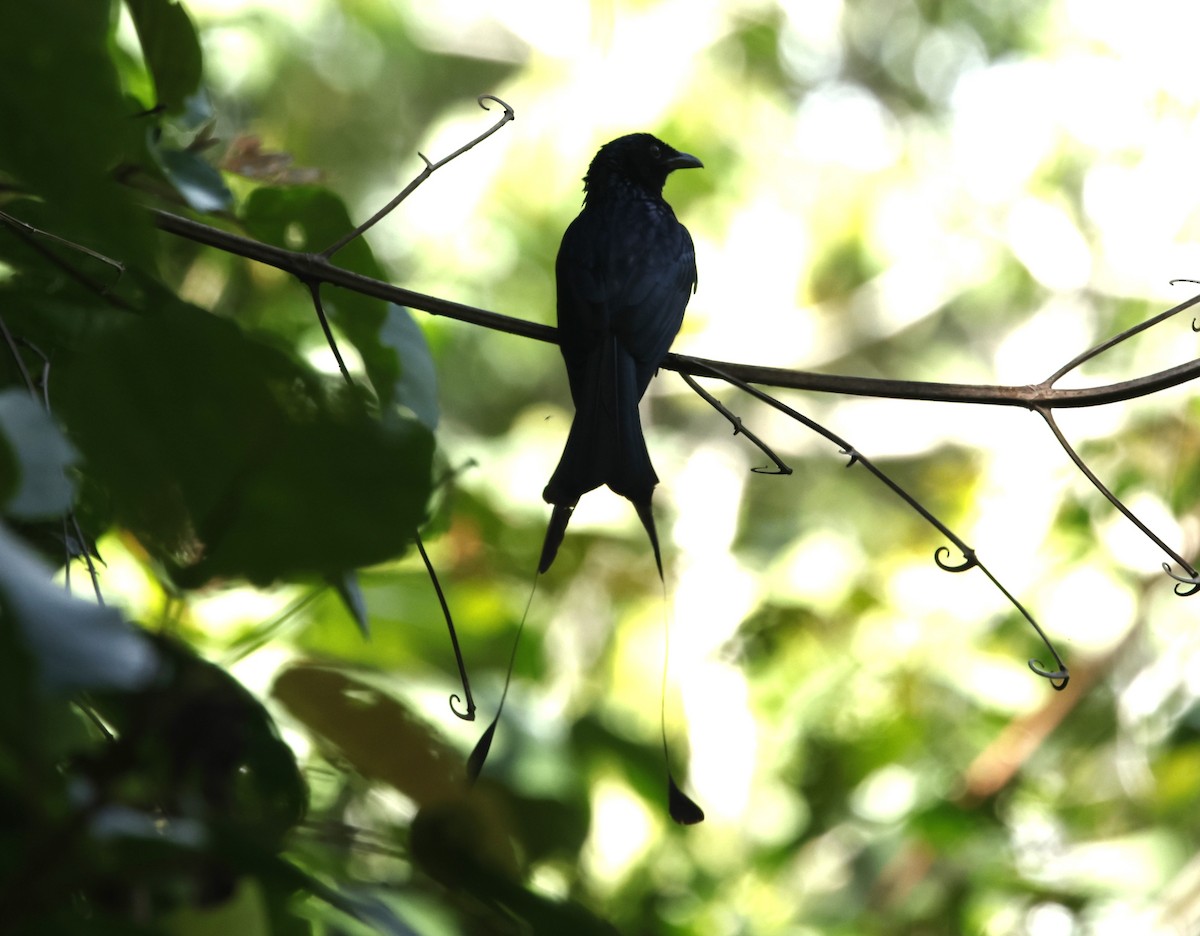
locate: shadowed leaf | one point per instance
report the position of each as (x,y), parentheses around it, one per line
(171,48)
(351,594)
(375,732)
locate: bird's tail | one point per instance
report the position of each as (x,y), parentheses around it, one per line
(555,532)
(557,529)
(605,446)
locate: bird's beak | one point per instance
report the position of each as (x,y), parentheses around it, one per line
(682,161)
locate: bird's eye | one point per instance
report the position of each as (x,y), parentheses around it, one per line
(655,151)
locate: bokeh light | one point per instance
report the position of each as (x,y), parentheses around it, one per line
(959,192)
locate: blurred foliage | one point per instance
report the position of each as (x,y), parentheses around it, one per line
(918,189)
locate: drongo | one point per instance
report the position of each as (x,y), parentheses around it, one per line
(626,269)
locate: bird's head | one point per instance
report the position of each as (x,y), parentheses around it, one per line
(640,159)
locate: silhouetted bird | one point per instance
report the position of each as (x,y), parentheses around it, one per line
(626,269)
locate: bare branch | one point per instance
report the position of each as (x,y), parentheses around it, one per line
(33,237)
(314,289)
(430,169)
(29,229)
(1058,677)
(308,266)
(469,713)
(1123,336)
(1116,502)
(738,428)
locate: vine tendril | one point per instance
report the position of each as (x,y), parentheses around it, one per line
(430,168)
(970,560)
(1182,580)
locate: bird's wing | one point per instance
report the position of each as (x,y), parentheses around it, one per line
(624,272)
(584,301)
(651,305)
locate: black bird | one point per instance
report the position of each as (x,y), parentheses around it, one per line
(626,269)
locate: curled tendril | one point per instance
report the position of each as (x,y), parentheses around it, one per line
(430,169)
(739,428)
(1182,581)
(509,113)
(1195,328)
(1058,678)
(467,714)
(969,561)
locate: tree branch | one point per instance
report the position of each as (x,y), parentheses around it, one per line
(430,169)
(309,267)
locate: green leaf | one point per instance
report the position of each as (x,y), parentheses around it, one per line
(75,645)
(229,458)
(392,346)
(416,389)
(69,125)
(171,48)
(41,456)
(197,181)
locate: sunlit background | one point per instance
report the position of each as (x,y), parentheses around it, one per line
(960,191)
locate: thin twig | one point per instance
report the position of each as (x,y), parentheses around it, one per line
(1123,336)
(314,289)
(85,552)
(781,468)
(469,714)
(30,235)
(1116,502)
(44,379)
(86,547)
(94,254)
(70,518)
(430,169)
(1059,677)
(264,633)
(17,359)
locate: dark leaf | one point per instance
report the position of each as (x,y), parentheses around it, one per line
(197,181)
(75,645)
(229,458)
(70,125)
(171,48)
(211,745)
(392,347)
(40,456)
(351,594)
(416,390)
(376,733)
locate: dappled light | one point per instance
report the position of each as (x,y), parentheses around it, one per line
(267,451)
